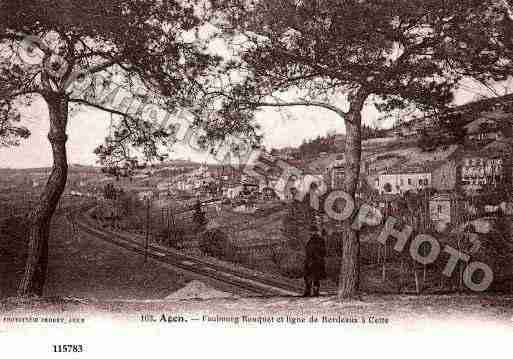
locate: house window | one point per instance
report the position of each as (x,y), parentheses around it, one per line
(409,181)
(421,182)
(401,181)
(440,208)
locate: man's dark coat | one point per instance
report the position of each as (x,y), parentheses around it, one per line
(315,267)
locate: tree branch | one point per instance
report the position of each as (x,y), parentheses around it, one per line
(99,107)
(104,66)
(508,8)
(20,37)
(24,92)
(335,109)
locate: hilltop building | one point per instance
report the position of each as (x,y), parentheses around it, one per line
(444,175)
(489,126)
(445,208)
(399,180)
(335,173)
(483,171)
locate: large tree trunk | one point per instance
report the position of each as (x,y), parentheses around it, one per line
(37,259)
(350,267)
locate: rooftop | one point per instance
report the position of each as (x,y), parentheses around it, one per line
(426,167)
(446,196)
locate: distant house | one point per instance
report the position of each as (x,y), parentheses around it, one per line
(489,126)
(336,176)
(400,180)
(140,176)
(145,195)
(335,173)
(405,131)
(233,192)
(439,175)
(268,194)
(288,188)
(289,153)
(483,129)
(249,179)
(480,171)
(283,188)
(445,208)
(445,175)
(411,128)
(184,185)
(165,186)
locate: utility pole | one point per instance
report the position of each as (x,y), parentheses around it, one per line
(147,230)
(424,229)
(172,216)
(169,226)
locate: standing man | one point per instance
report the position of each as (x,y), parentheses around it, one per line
(315,268)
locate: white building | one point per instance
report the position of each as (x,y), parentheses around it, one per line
(482,171)
(145,195)
(233,192)
(400,181)
(302,184)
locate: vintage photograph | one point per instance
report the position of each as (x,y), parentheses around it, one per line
(234,164)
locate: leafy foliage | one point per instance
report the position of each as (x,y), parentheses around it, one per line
(402,52)
(316,146)
(53,46)
(198,216)
(214,243)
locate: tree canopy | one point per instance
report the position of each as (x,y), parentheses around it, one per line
(399,51)
(100,55)
(93,53)
(340,55)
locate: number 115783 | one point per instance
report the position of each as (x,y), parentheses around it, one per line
(71,348)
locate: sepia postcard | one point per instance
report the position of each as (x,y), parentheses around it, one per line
(256,178)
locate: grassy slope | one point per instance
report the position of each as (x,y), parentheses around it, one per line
(86,267)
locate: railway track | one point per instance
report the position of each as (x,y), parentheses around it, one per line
(255,284)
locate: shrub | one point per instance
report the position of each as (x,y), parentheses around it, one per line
(214,243)
(277,255)
(172,238)
(133,223)
(292,264)
(199,216)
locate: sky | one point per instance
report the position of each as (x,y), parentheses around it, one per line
(88,128)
